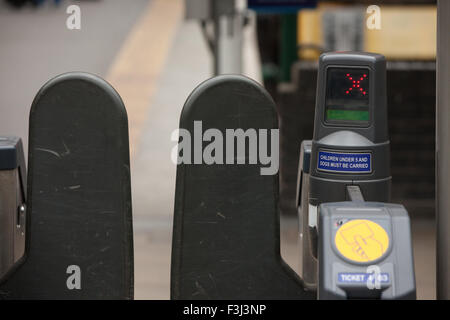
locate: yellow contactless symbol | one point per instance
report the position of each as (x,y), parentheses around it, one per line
(361,240)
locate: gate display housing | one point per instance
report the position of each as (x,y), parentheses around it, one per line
(346,164)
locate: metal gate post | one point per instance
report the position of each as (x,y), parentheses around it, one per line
(443,151)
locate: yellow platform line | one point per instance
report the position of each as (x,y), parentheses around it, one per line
(140,62)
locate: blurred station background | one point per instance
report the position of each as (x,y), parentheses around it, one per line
(155,52)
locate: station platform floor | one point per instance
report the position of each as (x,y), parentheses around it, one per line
(154,59)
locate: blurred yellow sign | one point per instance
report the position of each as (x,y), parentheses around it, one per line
(362,240)
(406,32)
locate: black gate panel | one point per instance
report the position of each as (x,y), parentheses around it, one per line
(79,224)
(226,241)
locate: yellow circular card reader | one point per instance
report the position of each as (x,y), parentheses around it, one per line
(361,240)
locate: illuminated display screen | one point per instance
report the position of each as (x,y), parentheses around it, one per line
(347,96)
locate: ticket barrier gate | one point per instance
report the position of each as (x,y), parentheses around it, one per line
(12,204)
(66,226)
(352,248)
(226,242)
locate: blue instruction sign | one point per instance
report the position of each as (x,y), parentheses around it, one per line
(280,6)
(360,278)
(340,162)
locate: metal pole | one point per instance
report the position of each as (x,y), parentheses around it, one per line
(228,25)
(443,150)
